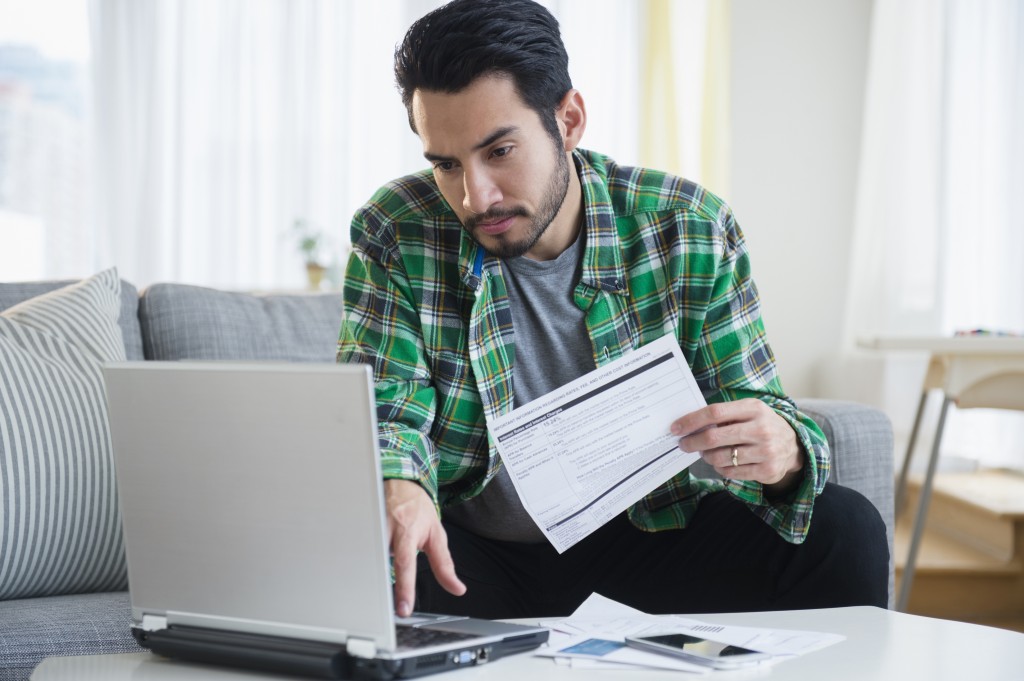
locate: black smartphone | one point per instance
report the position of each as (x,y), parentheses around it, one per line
(698,650)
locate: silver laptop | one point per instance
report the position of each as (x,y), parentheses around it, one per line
(254,524)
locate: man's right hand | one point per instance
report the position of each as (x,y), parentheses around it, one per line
(413,526)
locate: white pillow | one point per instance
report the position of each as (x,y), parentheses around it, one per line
(60,528)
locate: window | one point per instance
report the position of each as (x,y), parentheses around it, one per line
(45,174)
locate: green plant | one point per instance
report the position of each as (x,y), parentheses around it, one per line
(310,241)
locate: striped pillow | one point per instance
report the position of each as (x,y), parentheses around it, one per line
(60,528)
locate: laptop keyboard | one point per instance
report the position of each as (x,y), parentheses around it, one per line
(419,637)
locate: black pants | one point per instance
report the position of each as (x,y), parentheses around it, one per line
(727,560)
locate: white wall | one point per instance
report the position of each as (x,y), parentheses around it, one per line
(799,69)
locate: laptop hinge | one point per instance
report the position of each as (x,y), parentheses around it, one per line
(153,622)
(361,647)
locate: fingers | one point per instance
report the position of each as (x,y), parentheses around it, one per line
(742,440)
(441,563)
(413,525)
(707,420)
(403,560)
(746,466)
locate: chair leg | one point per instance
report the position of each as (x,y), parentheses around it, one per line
(901,486)
(922,512)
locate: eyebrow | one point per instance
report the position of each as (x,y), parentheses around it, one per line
(487,141)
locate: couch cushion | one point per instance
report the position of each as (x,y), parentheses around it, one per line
(13,293)
(61,530)
(190,322)
(86,624)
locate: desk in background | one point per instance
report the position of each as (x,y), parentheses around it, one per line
(973,371)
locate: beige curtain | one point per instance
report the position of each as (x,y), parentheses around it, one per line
(685,90)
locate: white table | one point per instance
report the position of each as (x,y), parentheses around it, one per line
(972,372)
(881,645)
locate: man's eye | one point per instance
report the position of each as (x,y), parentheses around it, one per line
(502,151)
(444,166)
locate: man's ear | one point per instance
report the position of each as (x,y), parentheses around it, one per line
(571,116)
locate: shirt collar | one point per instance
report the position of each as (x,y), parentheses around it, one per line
(602,260)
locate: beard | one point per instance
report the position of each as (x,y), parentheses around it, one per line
(554,197)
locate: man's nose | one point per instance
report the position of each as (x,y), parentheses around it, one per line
(481,192)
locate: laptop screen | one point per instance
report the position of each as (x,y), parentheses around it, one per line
(251,497)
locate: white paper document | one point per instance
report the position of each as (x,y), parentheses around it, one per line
(582,454)
(592,636)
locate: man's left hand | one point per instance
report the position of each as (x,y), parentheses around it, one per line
(744,440)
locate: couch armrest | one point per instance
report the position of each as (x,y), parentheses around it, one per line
(860,438)
(861,441)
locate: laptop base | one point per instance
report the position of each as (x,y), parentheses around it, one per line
(311,658)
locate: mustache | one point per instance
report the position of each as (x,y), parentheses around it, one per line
(495,215)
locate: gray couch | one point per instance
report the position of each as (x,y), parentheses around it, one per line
(173,321)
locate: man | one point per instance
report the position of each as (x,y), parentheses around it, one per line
(520,262)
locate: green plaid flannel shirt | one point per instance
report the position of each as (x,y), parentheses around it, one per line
(427,308)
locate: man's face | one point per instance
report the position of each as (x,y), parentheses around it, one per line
(496,165)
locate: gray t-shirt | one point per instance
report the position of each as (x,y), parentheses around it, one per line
(552,349)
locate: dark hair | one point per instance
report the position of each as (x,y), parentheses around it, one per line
(449,48)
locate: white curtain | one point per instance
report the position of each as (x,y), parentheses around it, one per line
(939,230)
(221,123)
(218,124)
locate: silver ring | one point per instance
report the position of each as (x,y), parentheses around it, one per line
(735,457)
